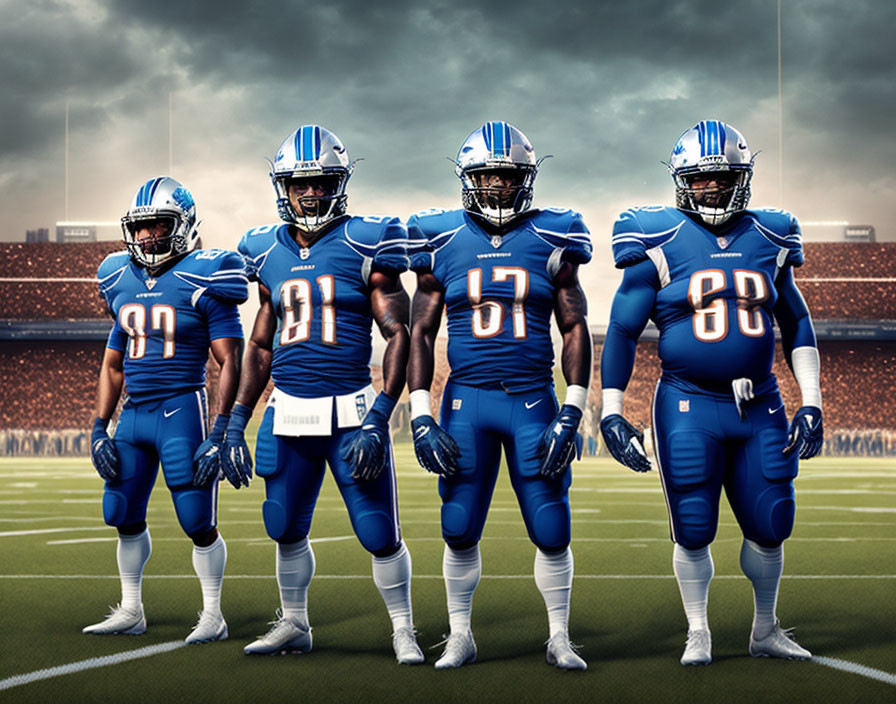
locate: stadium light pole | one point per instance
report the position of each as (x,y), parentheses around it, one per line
(66,161)
(171,133)
(780,119)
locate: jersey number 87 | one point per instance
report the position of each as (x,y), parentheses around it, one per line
(132,318)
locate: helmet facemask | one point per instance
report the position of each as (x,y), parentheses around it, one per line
(152,240)
(713,194)
(310,201)
(499,193)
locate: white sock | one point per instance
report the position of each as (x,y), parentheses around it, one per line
(763,567)
(295,568)
(208,563)
(133,552)
(693,570)
(392,576)
(462,570)
(553,577)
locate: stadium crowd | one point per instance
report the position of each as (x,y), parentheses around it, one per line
(851,299)
(50,386)
(70,298)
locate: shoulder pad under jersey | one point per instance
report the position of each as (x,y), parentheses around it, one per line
(383,240)
(218,272)
(565,230)
(255,245)
(782,229)
(110,271)
(638,229)
(427,231)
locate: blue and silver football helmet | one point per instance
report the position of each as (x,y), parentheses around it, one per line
(164,207)
(499,149)
(312,153)
(712,148)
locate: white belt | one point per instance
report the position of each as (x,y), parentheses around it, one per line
(298,417)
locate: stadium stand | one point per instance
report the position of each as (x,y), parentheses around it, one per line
(849,281)
(53,327)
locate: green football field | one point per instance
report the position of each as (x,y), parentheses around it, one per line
(58,573)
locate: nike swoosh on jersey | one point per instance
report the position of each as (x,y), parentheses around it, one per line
(168,415)
(534,403)
(771,411)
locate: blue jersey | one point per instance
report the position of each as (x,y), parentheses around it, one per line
(499,290)
(321,296)
(167,322)
(715,292)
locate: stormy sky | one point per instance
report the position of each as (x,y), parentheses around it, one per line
(604,87)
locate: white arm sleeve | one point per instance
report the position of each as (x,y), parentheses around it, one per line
(807,371)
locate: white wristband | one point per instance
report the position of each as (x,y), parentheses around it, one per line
(421,403)
(612,402)
(576,396)
(806,371)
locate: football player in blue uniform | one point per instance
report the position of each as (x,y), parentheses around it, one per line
(171,304)
(501,269)
(323,278)
(714,277)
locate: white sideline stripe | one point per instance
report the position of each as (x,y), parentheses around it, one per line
(47,518)
(438,576)
(854,509)
(856,669)
(14,533)
(90,664)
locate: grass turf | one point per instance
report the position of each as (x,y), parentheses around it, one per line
(838,589)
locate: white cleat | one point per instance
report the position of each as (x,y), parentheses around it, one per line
(404,643)
(779,643)
(120,621)
(561,653)
(210,627)
(285,636)
(698,650)
(460,649)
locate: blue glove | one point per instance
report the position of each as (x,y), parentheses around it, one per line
(806,433)
(560,442)
(236,462)
(436,450)
(103,453)
(625,442)
(207,458)
(367,450)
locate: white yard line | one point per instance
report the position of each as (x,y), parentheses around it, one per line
(16,533)
(856,669)
(90,664)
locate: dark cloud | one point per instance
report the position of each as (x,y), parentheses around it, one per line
(604,87)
